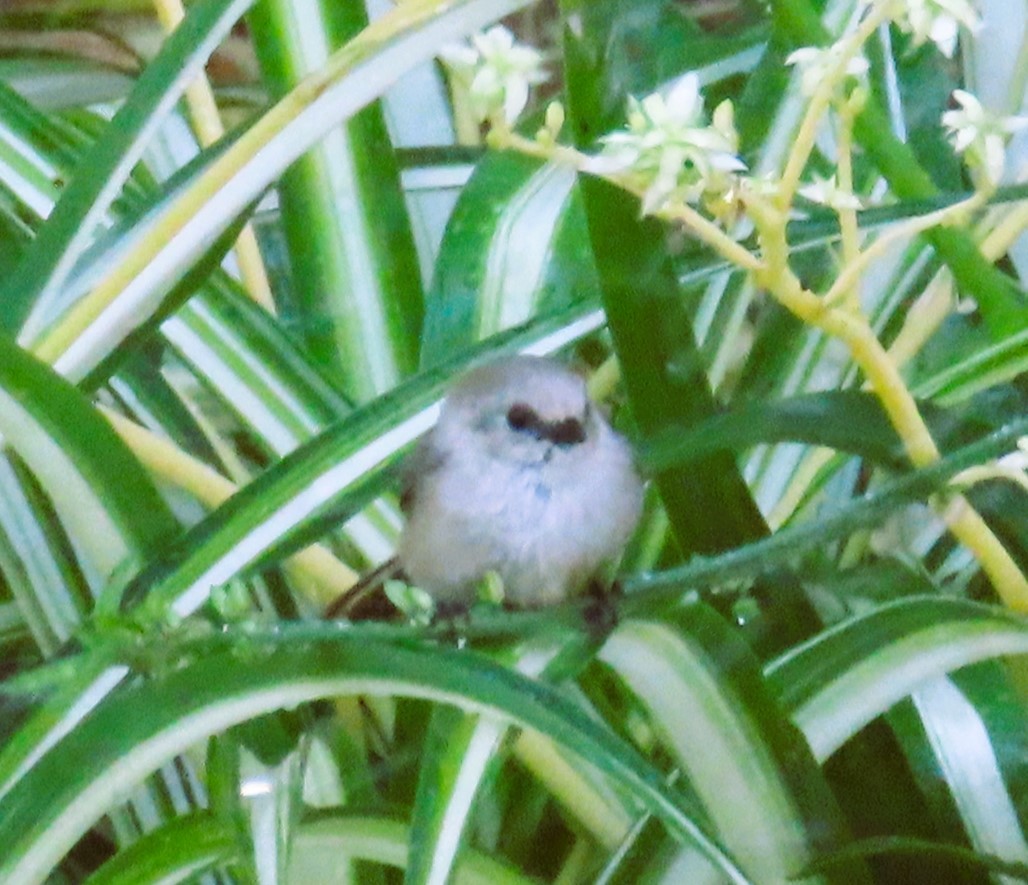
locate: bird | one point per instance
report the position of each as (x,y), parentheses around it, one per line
(522,476)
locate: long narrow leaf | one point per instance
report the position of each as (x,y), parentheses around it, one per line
(231,678)
(356,74)
(87,199)
(98,488)
(839,681)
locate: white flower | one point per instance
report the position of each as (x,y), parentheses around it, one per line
(966,306)
(669,146)
(827,192)
(767,186)
(496,71)
(980,135)
(816,64)
(938,21)
(1015,464)
(1013,467)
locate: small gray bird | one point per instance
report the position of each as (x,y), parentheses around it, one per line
(523,476)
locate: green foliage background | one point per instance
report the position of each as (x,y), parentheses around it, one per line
(809,678)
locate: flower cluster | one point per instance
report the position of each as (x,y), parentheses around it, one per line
(496,72)
(937,21)
(1015,464)
(827,192)
(817,64)
(980,136)
(670,150)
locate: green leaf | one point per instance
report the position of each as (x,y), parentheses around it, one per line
(709,506)
(203,209)
(515,246)
(326,843)
(186,847)
(925,856)
(461,759)
(847,420)
(356,290)
(751,771)
(972,757)
(86,200)
(653,590)
(102,495)
(233,676)
(38,563)
(840,680)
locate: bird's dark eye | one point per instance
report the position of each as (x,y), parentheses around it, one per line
(568,432)
(522,417)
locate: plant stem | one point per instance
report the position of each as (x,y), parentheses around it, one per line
(885,380)
(923,318)
(997,294)
(848,228)
(1011,225)
(984,472)
(822,98)
(852,271)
